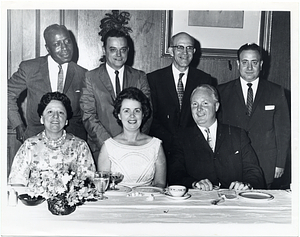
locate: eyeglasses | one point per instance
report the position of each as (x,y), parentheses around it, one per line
(181,48)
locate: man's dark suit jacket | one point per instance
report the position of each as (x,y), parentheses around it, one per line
(192,159)
(33,75)
(167,118)
(269,125)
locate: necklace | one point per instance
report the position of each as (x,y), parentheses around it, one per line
(54,144)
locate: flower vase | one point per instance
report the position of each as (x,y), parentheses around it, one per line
(59,206)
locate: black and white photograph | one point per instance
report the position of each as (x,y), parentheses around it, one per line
(150,118)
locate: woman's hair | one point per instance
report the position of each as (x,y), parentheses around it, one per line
(45,100)
(133,94)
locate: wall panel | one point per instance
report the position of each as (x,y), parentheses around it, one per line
(25,41)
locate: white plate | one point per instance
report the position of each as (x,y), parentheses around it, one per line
(121,190)
(256,195)
(148,190)
(186,196)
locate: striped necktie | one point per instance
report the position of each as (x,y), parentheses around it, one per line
(249,99)
(60,79)
(180,89)
(209,139)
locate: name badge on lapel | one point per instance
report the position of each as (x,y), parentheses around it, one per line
(269,107)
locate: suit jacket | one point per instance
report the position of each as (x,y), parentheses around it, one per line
(192,159)
(167,117)
(33,75)
(268,126)
(97,102)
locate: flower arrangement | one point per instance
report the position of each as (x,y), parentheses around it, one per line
(63,187)
(117,20)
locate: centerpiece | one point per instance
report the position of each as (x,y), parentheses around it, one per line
(63,190)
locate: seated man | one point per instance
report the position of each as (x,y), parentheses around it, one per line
(212,154)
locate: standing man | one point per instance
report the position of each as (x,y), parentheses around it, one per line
(53,72)
(102,85)
(209,153)
(171,88)
(259,107)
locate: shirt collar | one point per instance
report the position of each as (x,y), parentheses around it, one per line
(54,65)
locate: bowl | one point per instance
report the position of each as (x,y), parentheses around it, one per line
(31,201)
(177,190)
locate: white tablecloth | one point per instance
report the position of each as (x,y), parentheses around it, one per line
(121,215)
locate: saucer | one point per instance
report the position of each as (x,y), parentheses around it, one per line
(148,190)
(186,196)
(256,196)
(121,190)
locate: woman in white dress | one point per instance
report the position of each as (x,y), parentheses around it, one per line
(139,157)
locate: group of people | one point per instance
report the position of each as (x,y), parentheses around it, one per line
(171,126)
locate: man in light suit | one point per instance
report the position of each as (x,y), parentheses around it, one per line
(261,109)
(101,86)
(169,111)
(209,153)
(39,76)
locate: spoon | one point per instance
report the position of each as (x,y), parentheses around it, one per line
(218,200)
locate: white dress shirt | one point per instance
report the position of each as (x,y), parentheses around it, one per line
(245,88)
(213,133)
(112,76)
(176,73)
(53,72)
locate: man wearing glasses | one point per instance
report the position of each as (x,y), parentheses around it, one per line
(101,87)
(171,88)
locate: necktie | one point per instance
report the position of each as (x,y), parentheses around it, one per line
(118,88)
(180,89)
(249,99)
(60,79)
(209,139)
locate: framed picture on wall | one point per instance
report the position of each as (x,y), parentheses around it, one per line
(218,33)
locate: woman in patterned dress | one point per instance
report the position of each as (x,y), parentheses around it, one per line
(52,149)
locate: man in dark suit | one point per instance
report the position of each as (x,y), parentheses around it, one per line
(259,107)
(212,154)
(102,85)
(42,75)
(171,88)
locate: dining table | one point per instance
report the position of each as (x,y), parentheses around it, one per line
(138,213)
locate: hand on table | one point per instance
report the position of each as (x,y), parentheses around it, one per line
(240,186)
(203,184)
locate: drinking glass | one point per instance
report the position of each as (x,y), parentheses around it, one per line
(116,177)
(101,181)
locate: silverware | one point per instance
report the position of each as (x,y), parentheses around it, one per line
(218,200)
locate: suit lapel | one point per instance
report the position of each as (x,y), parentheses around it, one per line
(220,137)
(104,78)
(168,82)
(199,142)
(45,73)
(69,77)
(259,93)
(239,92)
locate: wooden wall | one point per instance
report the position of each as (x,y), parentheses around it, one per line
(25,41)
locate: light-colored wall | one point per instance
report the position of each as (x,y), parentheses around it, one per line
(25,35)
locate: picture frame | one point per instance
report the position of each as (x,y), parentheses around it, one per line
(263,36)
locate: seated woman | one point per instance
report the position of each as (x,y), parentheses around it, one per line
(139,157)
(52,149)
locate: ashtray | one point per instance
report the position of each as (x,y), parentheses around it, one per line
(31,201)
